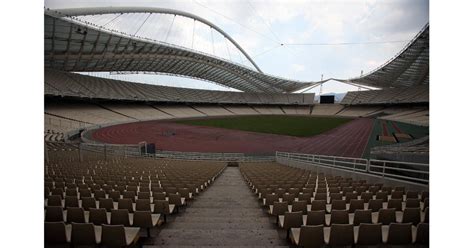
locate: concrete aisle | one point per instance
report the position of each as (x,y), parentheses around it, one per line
(226,214)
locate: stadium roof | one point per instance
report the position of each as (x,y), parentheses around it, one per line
(408,68)
(73,45)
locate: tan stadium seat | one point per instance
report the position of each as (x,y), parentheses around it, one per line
(375,204)
(145,219)
(128,195)
(395,203)
(55,233)
(143,205)
(383,195)
(356,204)
(411,215)
(304,197)
(144,195)
(120,217)
(399,234)
(106,203)
(175,198)
(114,195)
(317,205)
(270,199)
(71,192)
(316,218)
(126,203)
(397,195)
(185,192)
(87,203)
(159,196)
(54,200)
(412,194)
(290,198)
(308,236)
(99,194)
(335,196)
(321,196)
(85,193)
(351,196)
(338,205)
(341,235)
(118,235)
(426,218)
(163,207)
(426,203)
(290,220)
(54,214)
(278,208)
(84,234)
(362,216)
(412,203)
(75,214)
(369,234)
(98,216)
(424,195)
(423,234)
(299,206)
(366,196)
(339,217)
(71,201)
(387,216)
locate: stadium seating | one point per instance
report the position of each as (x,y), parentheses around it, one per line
(415,94)
(74,190)
(357,221)
(59,83)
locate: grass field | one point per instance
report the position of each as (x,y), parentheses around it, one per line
(300,126)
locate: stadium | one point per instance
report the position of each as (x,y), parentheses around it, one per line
(264,163)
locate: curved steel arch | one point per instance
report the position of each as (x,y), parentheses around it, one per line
(121,10)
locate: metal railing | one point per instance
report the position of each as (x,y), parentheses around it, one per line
(237,157)
(404,171)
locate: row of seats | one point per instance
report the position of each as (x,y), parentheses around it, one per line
(323,206)
(414,94)
(106,202)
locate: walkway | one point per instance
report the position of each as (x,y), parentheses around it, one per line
(226,214)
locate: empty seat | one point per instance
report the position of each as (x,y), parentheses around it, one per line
(54,200)
(117,236)
(71,192)
(362,216)
(106,203)
(270,199)
(411,215)
(426,218)
(98,216)
(87,203)
(119,217)
(290,198)
(321,196)
(54,214)
(75,214)
(366,196)
(125,204)
(351,196)
(375,204)
(316,218)
(159,196)
(399,234)
(99,194)
(279,208)
(114,195)
(412,194)
(426,203)
(83,234)
(356,204)
(85,193)
(71,201)
(424,195)
(335,196)
(341,235)
(144,195)
(128,195)
(369,234)
(308,236)
(423,234)
(395,203)
(412,203)
(397,195)
(339,217)
(305,197)
(317,205)
(383,195)
(387,216)
(338,205)
(175,198)
(290,220)
(144,219)
(55,233)
(299,206)
(143,205)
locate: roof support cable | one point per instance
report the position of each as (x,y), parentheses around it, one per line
(212,39)
(192,40)
(169,29)
(228,52)
(142,24)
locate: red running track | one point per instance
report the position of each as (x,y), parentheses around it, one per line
(347,140)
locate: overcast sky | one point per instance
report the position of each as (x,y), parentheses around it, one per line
(310,31)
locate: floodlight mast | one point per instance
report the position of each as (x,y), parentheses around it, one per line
(121,10)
